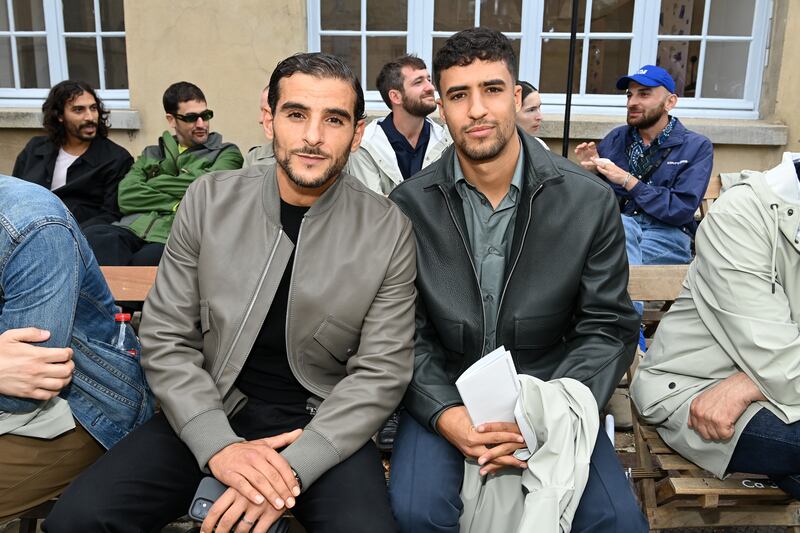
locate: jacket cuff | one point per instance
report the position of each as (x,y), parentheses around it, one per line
(208,433)
(435,418)
(311,455)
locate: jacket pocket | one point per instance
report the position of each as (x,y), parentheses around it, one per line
(210,336)
(451,334)
(539,332)
(338,339)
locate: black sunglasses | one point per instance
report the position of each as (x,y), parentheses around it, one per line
(192,117)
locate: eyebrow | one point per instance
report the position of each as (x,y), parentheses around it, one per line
(328,110)
(486,83)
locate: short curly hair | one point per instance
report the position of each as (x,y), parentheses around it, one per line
(466,46)
(53,109)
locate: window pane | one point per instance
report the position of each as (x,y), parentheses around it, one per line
(340,14)
(78,15)
(381,50)
(516,44)
(82,60)
(681,17)
(558,16)
(33,69)
(112,16)
(6,68)
(116,63)
(3,17)
(612,16)
(553,77)
(501,16)
(680,59)
(724,70)
(28,15)
(453,15)
(387,15)
(731,17)
(608,61)
(346,48)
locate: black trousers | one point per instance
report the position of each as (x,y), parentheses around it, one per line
(118,246)
(149,479)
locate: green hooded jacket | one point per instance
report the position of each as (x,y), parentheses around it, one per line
(151,191)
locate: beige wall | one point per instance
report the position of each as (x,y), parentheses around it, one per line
(787,103)
(226,48)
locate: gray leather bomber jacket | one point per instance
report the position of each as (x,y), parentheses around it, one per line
(350,316)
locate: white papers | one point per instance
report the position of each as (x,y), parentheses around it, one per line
(489,388)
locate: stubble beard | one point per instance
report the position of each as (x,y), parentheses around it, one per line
(485,150)
(332,171)
(648,119)
(418,108)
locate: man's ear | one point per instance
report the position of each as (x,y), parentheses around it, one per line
(672,101)
(440,105)
(359,133)
(266,124)
(395,96)
(517,97)
(171,121)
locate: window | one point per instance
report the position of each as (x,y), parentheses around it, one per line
(715,49)
(43,42)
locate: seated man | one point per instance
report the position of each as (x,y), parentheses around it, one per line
(152,190)
(658,169)
(398,146)
(303,347)
(261,154)
(501,261)
(56,416)
(76,159)
(721,380)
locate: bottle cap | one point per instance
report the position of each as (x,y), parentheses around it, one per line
(122,317)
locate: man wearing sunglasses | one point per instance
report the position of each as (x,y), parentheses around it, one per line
(150,193)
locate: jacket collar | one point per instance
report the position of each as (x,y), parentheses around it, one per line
(272,198)
(93,156)
(676,136)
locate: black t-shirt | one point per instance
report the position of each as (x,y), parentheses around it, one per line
(266,374)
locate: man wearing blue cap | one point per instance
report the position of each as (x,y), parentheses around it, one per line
(658,169)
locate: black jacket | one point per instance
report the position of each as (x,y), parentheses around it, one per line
(91,189)
(564,310)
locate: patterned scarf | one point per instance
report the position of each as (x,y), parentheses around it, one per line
(643,159)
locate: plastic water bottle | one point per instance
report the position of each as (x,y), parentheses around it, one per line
(125,340)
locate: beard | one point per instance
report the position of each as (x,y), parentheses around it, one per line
(333,170)
(418,108)
(488,148)
(77,131)
(648,118)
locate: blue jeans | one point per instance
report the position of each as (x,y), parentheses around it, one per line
(769,446)
(649,241)
(49,279)
(427,472)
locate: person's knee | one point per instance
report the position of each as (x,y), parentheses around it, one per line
(71,517)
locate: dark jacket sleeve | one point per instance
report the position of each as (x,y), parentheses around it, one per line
(602,340)
(430,391)
(111,213)
(677,203)
(19,164)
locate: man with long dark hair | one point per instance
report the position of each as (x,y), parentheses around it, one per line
(76,160)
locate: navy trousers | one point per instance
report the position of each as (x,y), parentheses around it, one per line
(427,472)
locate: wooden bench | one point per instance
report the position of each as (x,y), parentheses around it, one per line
(712,193)
(677,493)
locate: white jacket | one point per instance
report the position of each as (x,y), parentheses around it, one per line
(545,496)
(738,311)
(375,163)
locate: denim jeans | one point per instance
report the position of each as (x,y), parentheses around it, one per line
(50,279)
(427,473)
(769,446)
(649,241)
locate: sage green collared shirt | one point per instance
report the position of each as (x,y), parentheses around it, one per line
(491,232)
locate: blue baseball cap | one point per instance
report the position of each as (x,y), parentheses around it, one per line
(649,76)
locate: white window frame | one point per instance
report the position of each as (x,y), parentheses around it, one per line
(644,39)
(57,58)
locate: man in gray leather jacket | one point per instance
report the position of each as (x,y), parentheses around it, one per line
(281,317)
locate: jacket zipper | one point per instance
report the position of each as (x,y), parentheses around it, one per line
(249,307)
(519,253)
(472,264)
